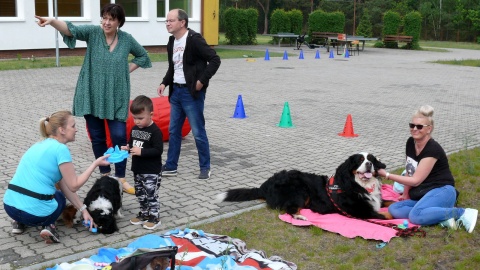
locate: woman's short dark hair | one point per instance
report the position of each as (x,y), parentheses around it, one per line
(116,11)
(183,16)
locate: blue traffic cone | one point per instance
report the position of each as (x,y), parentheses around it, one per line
(239,109)
(285,55)
(331,54)
(301,55)
(317,55)
(267,55)
(347,55)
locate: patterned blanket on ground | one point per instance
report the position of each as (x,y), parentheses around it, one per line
(196,251)
(350,227)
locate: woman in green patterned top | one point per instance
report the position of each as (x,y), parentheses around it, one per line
(103,86)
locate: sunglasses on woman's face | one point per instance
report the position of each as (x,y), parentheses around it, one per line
(419,127)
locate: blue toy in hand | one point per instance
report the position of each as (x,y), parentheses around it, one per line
(116,155)
(87,224)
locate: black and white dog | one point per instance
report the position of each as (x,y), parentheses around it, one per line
(354,190)
(104,203)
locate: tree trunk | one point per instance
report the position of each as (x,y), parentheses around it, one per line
(265,7)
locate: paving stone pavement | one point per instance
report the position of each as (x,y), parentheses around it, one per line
(380,88)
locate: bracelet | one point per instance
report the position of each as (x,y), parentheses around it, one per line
(82,208)
(387,175)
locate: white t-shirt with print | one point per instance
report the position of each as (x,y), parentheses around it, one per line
(178,49)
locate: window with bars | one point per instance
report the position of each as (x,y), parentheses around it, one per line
(65,8)
(75,8)
(173,4)
(8,8)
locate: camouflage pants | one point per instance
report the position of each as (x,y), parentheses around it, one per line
(146,190)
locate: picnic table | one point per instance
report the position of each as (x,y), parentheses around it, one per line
(397,39)
(348,41)
(281,35)
(323,38)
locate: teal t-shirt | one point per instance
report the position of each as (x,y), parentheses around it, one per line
(103,86)
(38,171)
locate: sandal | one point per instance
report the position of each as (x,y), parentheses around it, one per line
(126,186)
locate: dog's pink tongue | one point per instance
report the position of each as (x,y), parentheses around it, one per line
(368,175)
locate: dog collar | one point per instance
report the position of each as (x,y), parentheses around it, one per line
(372,189)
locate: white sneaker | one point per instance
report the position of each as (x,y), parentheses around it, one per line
(449,224)
(468,219)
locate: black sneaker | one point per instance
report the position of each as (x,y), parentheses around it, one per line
(152,223)
(50,235)
(168,172)
(139,219)
(17,227)
(204,174)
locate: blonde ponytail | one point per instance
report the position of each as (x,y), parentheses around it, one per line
(50,124)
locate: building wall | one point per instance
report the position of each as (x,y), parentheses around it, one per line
(23,33)
(210,21)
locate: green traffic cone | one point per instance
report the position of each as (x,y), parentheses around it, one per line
(286,120)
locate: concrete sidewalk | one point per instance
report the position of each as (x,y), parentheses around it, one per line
(380,88)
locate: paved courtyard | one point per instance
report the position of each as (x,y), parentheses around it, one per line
(380,89)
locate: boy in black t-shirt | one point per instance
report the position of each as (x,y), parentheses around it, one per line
(146,147)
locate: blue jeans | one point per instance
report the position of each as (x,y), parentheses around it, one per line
(118,136)
(31,220)
(436,206)
(182,104)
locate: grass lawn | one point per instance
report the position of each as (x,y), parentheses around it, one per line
(312,248)
(450,44)
(67,61)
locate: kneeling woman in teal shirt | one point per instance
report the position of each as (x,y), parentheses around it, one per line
(32,198)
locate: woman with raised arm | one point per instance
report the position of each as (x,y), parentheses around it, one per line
(103,86)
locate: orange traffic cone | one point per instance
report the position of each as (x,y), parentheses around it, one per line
(348,129)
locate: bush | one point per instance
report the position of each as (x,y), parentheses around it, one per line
(296,21)
(391,25)
(239,29)
(378,44)
(252,15)
(279,22)
(321,21)
(337,21)
(365,26)
(412,27)
(317,22)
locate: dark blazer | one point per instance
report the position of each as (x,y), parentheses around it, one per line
(200,62)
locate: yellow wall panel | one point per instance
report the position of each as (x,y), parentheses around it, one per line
(210,21)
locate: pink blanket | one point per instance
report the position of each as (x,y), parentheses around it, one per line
(350,227)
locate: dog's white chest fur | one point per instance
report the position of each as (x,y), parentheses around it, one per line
(374,193)
(101,204)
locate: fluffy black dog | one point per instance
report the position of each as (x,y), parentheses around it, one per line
(290,191)
(104,201)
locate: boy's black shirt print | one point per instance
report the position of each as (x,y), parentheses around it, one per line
(150,139)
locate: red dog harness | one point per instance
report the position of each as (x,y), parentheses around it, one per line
(412,231)
(332,187)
